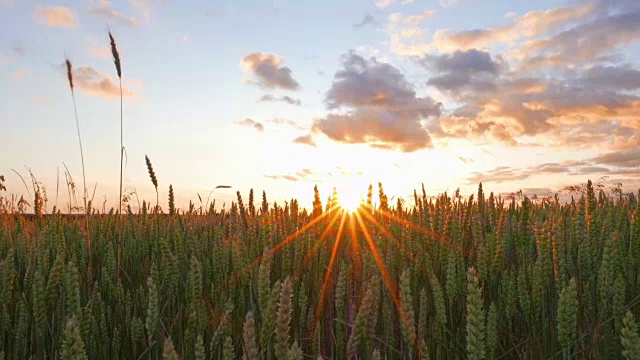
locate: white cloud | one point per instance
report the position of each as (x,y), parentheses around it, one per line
(417,19)
(385,3)
(447,3)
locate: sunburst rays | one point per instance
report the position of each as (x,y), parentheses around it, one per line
(362,220)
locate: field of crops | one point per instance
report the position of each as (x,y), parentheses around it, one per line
(450,278)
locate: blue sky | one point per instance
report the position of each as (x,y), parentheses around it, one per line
(519,95)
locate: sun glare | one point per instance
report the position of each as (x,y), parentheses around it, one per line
(349,201)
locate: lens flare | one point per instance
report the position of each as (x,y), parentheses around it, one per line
(350,201)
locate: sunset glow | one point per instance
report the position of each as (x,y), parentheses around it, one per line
(442,93)
(350,201)
(282,179)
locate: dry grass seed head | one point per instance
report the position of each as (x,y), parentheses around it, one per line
(69,74)
(116,55)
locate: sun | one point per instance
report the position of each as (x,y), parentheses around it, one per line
(350,201)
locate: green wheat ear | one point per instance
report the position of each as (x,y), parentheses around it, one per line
(228,351)
(72,345)
(200,353)
(168,350)
(567,317)
(249,337)
(172,205)
(283,319)
(152,174)
(629,337)
(475,318)
(295,353)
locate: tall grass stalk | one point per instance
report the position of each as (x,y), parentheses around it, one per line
(84,178)
(154,179)
(116,62)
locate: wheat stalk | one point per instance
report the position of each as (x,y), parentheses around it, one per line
(116,62)
(84,179)
(152,175)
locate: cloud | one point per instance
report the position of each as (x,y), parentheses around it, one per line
(530,24)
(623,77)
(510,14)
(624,163)
(59,16)
(385,3)
(589,42)
(529,192)
(305,140)
(465,160)
(94,82)
(144,6)
(470,71)
(592,170)
(497,175)
(6,2)
(268,71)
(303,175)
(377,106)
(251,123)
(502,174)
(594,105)
(417,19)
(286,122)
(285,99)
(282,177)
(104,10)
(367,20)
(627,159)
(98,48)
(186,37)
(447,3)
(407,2)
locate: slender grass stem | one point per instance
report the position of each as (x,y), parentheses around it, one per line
(87,212)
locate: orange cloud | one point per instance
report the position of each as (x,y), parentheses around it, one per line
(377,106)
(55,16)
(268,71)
(251,123)
(103,9)
(94,82)
(384,3)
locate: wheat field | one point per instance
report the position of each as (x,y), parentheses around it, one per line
(449,278)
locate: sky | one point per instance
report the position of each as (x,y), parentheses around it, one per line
(282,95)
